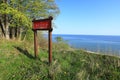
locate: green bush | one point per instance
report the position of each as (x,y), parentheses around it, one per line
(61,45)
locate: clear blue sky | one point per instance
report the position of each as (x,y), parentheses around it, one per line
(90,17)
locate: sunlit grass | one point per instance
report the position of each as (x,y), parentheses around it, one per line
(17,62)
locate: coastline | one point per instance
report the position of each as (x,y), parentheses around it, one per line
(105,44)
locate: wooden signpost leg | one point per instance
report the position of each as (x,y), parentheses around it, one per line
(35,44)
(50,46)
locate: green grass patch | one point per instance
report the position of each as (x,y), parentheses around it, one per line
(17,62)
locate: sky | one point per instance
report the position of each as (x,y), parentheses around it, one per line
(88,17)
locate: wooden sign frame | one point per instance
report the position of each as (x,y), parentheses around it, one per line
(43,24)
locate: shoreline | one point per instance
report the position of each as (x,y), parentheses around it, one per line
(102,53)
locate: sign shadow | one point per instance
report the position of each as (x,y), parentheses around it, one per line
(25,52)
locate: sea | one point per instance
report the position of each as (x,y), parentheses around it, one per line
(102,44)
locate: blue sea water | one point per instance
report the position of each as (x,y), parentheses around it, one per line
(95,43)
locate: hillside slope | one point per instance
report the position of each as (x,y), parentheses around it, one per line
(17,62)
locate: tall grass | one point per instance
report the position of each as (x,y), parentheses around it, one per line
(17,62)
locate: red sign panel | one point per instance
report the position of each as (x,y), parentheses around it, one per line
(43,24)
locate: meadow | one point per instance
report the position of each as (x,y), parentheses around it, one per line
(17,62)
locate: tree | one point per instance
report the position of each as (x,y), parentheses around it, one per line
(59,39)
(16,15)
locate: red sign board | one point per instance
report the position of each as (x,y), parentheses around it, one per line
(43,24)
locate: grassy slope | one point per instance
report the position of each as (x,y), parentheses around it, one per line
(17,63)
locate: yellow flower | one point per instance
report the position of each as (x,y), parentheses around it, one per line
(64,72)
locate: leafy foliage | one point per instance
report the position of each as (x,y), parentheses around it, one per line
(17,15)
(60,44)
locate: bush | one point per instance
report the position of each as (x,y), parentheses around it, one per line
(61,45)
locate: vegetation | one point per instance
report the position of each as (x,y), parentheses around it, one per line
(17,62)
(61,45)
(16,16)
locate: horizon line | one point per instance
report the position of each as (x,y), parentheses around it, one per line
(88,34)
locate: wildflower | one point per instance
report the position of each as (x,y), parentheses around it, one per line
(13,76)
(64,72)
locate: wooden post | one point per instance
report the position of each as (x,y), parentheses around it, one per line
(35,44)
(50,46)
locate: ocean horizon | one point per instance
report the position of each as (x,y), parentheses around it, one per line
(105,44)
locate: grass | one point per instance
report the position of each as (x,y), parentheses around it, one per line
(17,62)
